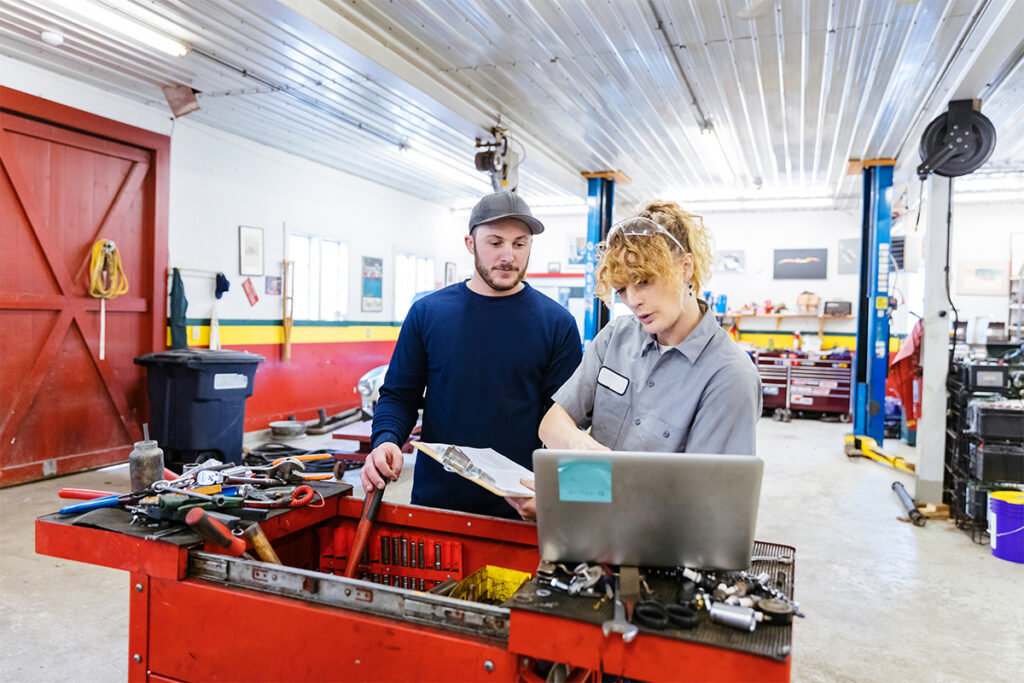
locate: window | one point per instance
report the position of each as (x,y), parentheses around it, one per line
(333,280)
(319,277)
(300,250)
(413,274)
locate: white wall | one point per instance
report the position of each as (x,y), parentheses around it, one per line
(757,235)
(219,181)
(981,232)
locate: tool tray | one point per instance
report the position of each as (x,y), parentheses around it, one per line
(120,520)
(767,640)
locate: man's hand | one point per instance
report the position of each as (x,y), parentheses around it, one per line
(383,464)
(526,507)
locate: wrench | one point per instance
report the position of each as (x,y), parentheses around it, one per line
(165,487)
(618,624)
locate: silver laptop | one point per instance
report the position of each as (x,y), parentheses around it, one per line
(647,509)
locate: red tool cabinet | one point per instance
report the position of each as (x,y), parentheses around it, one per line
(200,616)
(792,382)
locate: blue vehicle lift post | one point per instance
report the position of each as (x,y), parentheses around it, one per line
(600,201)
(871,360)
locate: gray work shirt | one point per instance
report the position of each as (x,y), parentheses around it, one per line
(701,396)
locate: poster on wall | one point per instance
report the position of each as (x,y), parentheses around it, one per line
(731,262)
(250,250)
(982,278)
(801,264)
(373,285)
(449,273)
(576,250)
(848,262)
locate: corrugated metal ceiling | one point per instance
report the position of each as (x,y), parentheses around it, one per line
(789,90)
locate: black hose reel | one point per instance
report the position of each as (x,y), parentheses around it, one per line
(956,143)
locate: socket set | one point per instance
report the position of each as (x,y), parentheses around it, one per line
(413,562)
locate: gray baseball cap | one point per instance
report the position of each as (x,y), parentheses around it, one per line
(503,204)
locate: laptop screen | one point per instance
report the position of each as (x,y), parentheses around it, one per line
(647,509)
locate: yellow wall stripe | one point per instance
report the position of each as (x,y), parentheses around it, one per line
(784,340)
(239,335)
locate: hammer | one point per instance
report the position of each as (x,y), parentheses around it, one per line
(371,505)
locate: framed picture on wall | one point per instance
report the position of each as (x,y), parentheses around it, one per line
(250,250)
(848,256)
(449,273)
(734,261)
(1017,254)
(982,278)
(576,250)
(800,264)
(373,285)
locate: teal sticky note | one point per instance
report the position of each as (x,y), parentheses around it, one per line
(586,481)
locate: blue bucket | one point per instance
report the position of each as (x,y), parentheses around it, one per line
(1006,524)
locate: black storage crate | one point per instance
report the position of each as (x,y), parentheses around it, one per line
(997,461)
(197,401)
(994,421)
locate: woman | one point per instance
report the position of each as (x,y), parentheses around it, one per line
(666,378)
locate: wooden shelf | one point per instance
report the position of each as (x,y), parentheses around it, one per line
(780,316)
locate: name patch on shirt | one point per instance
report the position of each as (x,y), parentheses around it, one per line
(612,380)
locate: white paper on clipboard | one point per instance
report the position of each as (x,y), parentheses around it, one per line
(490,469)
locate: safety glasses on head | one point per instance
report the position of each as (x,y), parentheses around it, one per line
(644,227)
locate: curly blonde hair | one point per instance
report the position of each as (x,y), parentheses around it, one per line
(629,259)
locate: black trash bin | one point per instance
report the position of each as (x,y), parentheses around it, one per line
(197,402)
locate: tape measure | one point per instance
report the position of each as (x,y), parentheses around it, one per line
(776,612)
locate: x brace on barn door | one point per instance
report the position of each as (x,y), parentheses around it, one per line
(72,308)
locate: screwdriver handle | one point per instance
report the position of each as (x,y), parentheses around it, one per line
(212,531)
(94,504)
(84,494)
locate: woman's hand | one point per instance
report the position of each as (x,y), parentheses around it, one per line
(526,507)
(559,430)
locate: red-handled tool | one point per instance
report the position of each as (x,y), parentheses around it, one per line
(370,507)
(213,531)
(84,494)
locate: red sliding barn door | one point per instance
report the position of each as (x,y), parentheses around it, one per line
(68,178)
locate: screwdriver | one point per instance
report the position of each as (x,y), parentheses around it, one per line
(212,531)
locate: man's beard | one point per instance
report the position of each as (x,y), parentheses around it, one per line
(496,286)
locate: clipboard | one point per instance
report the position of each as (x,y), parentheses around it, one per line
(484,467)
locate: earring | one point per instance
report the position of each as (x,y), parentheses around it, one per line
(691,289)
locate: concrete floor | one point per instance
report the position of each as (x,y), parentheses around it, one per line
(884,600)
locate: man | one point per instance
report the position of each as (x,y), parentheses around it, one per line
(490,352)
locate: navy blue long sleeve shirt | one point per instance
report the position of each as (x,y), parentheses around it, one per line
(490,365)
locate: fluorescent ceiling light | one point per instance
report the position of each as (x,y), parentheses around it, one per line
(445,169)
(712,154)
(104,17)
(761,204)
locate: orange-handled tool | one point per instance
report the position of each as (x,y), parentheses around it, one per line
(304,458)
(371,505)
(213,531)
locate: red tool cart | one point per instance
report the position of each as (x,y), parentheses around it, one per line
(197,615)
(791,383)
